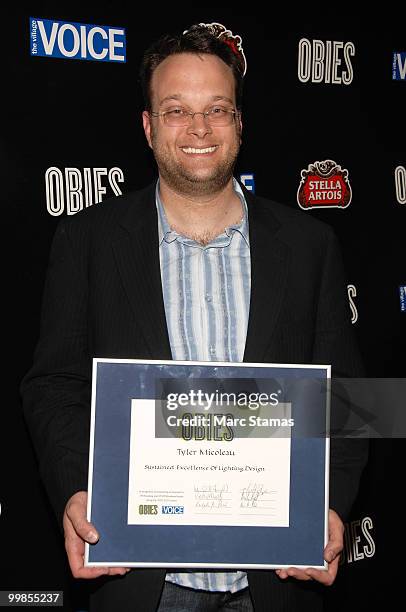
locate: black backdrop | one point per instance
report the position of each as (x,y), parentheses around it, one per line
(68,113)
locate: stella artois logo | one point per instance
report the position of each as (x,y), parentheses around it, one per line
(324,185)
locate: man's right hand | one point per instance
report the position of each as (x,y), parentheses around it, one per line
(78,530)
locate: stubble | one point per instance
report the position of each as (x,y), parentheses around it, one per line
(184,180)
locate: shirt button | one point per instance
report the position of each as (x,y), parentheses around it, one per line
(212,350)
(208,297)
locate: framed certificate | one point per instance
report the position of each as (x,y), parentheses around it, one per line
(208,464)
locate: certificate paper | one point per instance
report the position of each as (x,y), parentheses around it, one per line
(204,483)
(208,464)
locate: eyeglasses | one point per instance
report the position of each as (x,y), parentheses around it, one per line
(179,117)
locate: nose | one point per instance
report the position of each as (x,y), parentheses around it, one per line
(199,125)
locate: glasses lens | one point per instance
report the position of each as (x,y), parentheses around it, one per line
(176,118)
(220,116)
(215,116)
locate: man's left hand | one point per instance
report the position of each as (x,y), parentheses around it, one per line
(331,554)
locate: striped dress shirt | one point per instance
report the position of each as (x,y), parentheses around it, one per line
(206,291)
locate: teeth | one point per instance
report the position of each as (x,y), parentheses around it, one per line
(193,150)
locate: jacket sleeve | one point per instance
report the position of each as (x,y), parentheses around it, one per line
(56,390)
(335,344)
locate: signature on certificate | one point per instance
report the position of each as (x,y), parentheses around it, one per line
(209,497)
(255,495)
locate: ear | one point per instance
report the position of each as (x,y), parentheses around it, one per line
(146,122)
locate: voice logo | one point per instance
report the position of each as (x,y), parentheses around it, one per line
(324,185)
(173,509)
(402,297)
(248,180)
(399,66)
(82,41)
(323,62)
(74,189)
(400,184)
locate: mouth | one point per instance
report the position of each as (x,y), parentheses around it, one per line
(197,151)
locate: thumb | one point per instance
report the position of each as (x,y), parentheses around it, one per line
(85,530)
(76,515)
(331,553)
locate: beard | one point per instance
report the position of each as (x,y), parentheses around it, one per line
(189,182)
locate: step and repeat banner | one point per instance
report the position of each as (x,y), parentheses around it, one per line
(324,131)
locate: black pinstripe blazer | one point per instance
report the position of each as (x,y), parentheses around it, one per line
(103,298)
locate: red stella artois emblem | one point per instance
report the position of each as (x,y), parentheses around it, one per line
(324,185)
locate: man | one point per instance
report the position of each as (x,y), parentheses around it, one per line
(194,267)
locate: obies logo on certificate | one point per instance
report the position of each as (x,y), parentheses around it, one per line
(208,464)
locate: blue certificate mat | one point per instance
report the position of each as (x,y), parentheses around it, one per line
(208,464)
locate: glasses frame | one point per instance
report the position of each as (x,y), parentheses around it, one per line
(191,115)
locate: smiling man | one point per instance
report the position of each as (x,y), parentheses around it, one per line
(193,267)
(198,152)
(194,130)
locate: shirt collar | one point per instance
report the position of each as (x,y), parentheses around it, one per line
(165,233)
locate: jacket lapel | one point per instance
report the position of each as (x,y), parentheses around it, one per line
(269,273)
(137,257)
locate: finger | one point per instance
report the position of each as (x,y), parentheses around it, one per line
(332,552)
(75,552)
(299,574)
(334,547)
(95,572)
(324,577)
(89,573)
(118,571)
(79,570)
(335,542)
(292,572)
(320,576)
(75,549)
(76,513)
(282,573)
